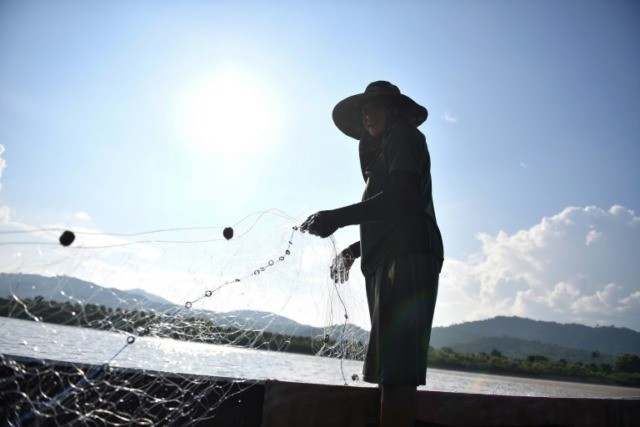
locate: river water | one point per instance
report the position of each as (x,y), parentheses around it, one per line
(82,345)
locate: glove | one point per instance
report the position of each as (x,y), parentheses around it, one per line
(339,269)
(320,224)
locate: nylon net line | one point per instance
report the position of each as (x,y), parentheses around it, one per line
(167,326)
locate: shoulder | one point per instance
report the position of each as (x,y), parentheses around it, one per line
(403,136)
(406,148)
(403,132)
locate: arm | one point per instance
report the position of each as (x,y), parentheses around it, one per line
(355,249)
(407,157)
(395,202)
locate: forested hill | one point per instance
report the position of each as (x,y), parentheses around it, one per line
(604,339)
(64,288)
(73,290)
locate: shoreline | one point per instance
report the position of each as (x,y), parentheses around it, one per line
(561,378)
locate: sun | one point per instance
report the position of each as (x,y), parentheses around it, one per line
(228,115)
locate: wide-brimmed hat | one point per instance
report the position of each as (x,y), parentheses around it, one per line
(347,114)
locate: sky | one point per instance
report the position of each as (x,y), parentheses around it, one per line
(118,118)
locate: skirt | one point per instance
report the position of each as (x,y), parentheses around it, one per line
(402,297)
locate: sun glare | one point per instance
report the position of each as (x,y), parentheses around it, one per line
(229,115)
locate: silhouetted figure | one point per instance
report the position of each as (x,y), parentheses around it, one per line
(400,244)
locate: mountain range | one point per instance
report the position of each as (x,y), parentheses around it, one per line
(520,336)
(512,336)
(64,288)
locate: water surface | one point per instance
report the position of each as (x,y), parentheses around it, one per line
(83,345)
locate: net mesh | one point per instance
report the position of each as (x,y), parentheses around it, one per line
(166,326)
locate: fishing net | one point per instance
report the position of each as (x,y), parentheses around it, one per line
(169,326)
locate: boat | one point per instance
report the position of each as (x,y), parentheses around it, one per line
(76,392)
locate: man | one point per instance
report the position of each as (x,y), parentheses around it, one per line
(400,244)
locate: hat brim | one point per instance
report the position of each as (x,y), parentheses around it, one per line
(347,114)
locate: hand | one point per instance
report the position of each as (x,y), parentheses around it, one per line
(339,269)
(320,224)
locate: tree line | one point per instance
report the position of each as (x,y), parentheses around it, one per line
(155,324)
(625,370)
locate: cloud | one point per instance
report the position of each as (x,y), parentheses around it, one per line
(83,216)
(5,215)
(3,164)
(4,210)
(577,266)
(448,117)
